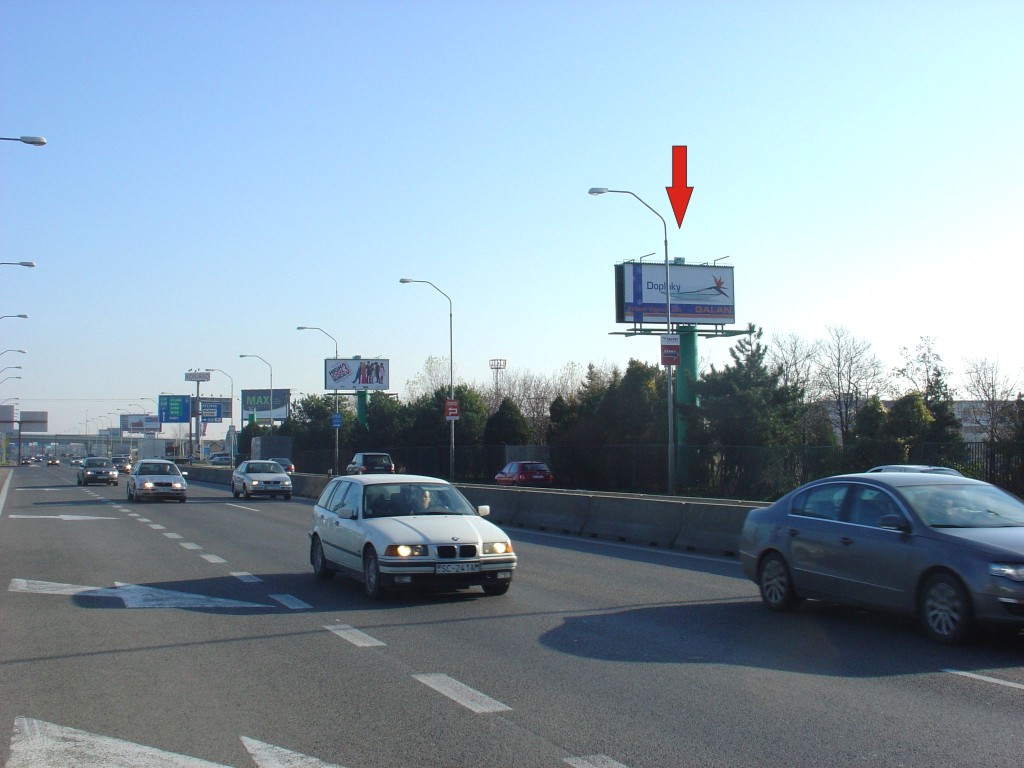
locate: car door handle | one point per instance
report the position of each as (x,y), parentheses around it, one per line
(793,533)
(845,541)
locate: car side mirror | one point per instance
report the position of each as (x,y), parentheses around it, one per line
(484,510)
(347,513)
(894,523)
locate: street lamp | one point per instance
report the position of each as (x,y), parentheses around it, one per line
(336,411)
(271,389)
(17,263)
(23,317)
(668,329)
(22,351)
(451,373)
(35,141)
(9,367)
(9,378)
(234,437)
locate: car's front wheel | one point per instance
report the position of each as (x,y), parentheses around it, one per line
(498,588)
(945,609)
(776,584)
(318,561)
(234,491)
(129,495)
(245,492)
(371,576)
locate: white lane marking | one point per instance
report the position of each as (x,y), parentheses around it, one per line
(290,601)
(60,517)
(190,545)
(158,527)
(268,756)
(3,493)
(37,743)
(986,679)
(461,693)
(174,536)
(354,636)
(132,595)
(213,559)
(240,575)
(134,514)
(239,506)
(593,761)
(144,520)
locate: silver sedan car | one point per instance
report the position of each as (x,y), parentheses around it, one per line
(157,479)
(945,548)
(260,478)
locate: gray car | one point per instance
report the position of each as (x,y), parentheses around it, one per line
(947,549)
(260,477)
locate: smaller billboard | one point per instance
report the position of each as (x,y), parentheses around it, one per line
(356,374)
(257,403)
(35,421)
(7,423)
(137,423)
(175,409)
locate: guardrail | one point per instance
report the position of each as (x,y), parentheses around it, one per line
(690,524)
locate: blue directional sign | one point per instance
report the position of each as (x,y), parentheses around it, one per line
(336,420)
(175,409)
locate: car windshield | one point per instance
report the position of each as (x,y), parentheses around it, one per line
(98,463)
(964,506)
(403,499)
(264,467)
(158,469)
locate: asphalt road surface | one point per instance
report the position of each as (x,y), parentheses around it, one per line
(167,634)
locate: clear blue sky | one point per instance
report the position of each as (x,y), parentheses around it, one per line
(219,173)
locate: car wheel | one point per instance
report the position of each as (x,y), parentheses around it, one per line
(287,497)
(945,609)
(371,576)
(776,584)
(234,491)
(128,494)
(318,561)
(183,499)
(498,588)
(245,491)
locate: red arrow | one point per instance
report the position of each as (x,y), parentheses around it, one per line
(679,193)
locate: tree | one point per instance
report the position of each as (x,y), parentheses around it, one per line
(847,373)
(506,426)
(991,395)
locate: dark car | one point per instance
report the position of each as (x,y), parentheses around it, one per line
(286,464)
(528,473)
(97,470)
(945,548)
(370,463)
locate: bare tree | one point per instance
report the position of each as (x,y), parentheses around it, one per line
(847,373)
(795,357)
(434,376)
(991,399)
(924,372)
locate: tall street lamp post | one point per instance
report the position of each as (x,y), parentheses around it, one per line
(451,374)
(35,141)
(22,351)
(17,263)
(337,413)
(668,330)
(23,317)
(271,389)
(234,439)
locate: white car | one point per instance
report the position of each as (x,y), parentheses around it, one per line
(394,531)
(260,478)
(156,479)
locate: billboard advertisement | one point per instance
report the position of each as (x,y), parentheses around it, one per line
(257,403)
(697,294)
(7,418)
(35,421)
(137,423)
(355,374)
(175,409)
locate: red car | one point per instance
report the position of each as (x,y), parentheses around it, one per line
(528,473)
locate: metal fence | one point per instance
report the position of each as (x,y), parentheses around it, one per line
(735,472)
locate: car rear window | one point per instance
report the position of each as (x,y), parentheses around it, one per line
(378,461)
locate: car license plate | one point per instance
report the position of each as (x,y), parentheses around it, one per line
(457,568)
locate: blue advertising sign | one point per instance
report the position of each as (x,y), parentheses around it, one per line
(175,409)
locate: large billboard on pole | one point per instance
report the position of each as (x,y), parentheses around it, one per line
(698,294)
(258,403)
(355,374)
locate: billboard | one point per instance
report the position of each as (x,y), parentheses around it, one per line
(175,409)
(356,374)
(698,294)
(214,409)
(140,422)
(35,421)
(7,423)
(257,402)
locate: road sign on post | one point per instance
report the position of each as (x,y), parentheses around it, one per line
(451,410)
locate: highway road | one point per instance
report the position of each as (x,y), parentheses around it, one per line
(166,634)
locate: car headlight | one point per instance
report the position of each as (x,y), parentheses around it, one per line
(255,482)
(1012,571)
(286,482)
(497,547)
(406,550)
(177,485)
(147,484)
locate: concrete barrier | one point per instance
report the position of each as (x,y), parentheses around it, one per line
(701,525)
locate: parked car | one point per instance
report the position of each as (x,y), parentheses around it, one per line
(286,465)
(946,548)
(916,468)
(220,460)
(528,473)
(122,463)
(367,463)
(156,479)
(260,478)
(96,469)
(395,531)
